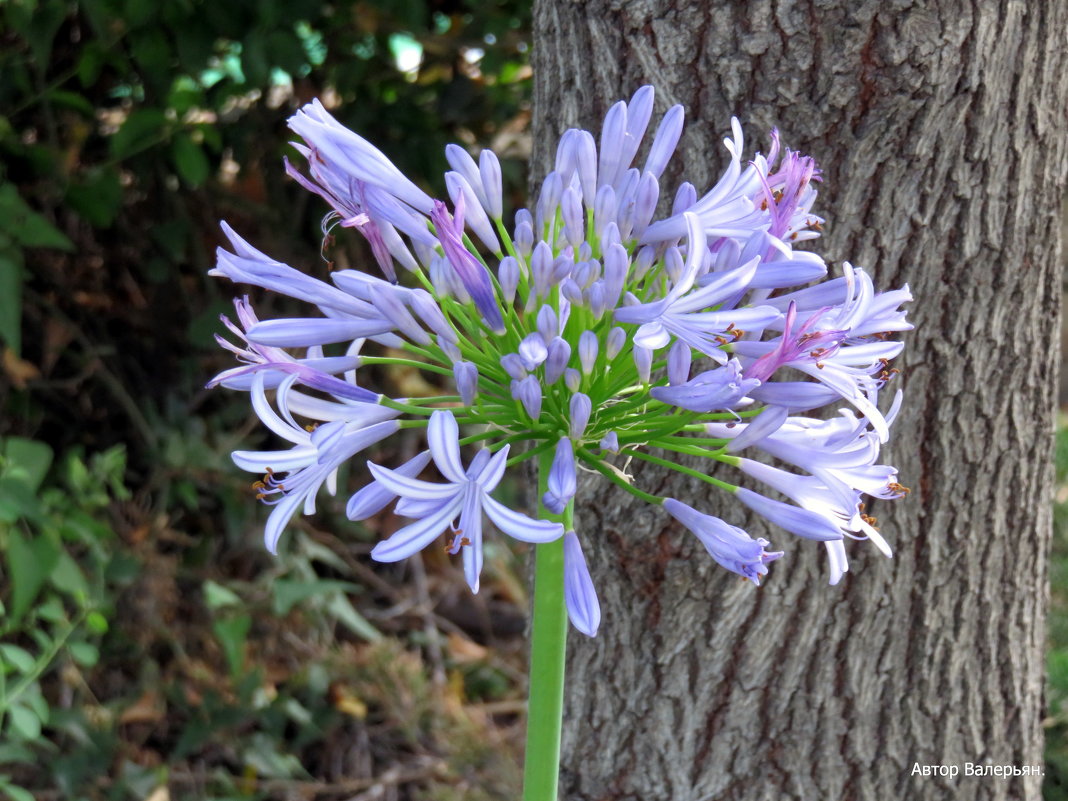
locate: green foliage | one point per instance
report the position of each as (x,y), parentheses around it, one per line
(55,540)
(145,639)
(1055,786)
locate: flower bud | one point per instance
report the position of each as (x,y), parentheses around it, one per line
(684,198)
(572,379)
(466,376)
(423,304)
(508,276)
(571,211)
(562,480)
(513,365)
(678,363)
(588,347)
(490,169)
(665,141)
(604,209)
(547,324)
(610,442)
(556,361)
(580,407)
(617,338)
(643,360)
(528,392)
(474,214)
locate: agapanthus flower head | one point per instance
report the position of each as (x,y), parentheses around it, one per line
(590,335)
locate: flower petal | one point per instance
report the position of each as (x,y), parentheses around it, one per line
(443,436)
(518,525)
(414,537)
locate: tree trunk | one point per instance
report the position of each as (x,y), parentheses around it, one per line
(941,130)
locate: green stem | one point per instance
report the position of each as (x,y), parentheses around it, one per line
(541,769)
(645,457)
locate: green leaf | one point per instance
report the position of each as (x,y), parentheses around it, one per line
(15,793)
(19,658)
(11,299)
(289,592)
(344,611)
(17,500)
(232,633)
(141,130)
(189,160)
(216,596)
(96,623)
(97,196)
(27,227)
(29,460)
(29,563)
(84,653)
(68,578)
(25,722)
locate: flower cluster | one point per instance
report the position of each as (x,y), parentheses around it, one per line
(590,333)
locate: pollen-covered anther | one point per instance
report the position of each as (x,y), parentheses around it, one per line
(871,521)
(893,486)
(311,427)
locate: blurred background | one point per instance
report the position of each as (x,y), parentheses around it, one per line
(149,648)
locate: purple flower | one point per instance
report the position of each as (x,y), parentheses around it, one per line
(729,545)
(583,608)
(465,496)
(471,272)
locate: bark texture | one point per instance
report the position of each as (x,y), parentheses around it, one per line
(941,131)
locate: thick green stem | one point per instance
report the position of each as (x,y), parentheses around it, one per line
(541,770)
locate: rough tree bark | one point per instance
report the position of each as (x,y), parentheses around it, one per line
(941,130)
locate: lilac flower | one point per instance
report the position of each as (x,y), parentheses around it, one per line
(593,290)
(294,477)
(457,505)
(729,545)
